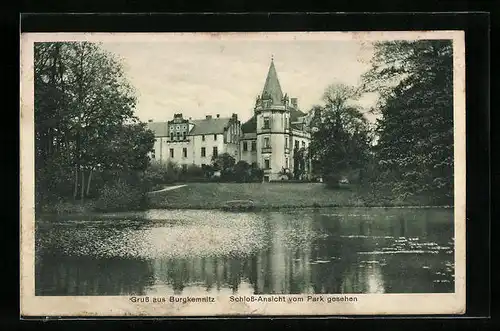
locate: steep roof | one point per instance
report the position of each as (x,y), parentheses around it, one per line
(272,86)
(250,125)
(205,126)
(295,114)
(160,129)
(209,126)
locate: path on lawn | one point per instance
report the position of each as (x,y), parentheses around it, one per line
(169,188)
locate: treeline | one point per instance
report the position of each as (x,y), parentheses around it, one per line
(89,144)
(223,168)
(408,152)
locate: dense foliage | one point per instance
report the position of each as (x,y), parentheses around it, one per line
(222,169)
(232,171)
(408,153)
(88,140)
(340,134)
(415,146)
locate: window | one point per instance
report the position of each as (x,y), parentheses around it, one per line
(177,127)
(171,136)
(203,152)
(184,152)
(286,122)
(303,144)
(214,153)
(172,153)
(245,146)
(215,137)
(266,164)
(286,142)
(266,142)
(202,137)
(184,135)
(178,135)
(153,154)
(254,146)
(286,162)
(296,144)
(266,123)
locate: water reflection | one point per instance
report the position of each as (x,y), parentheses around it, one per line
(196,252)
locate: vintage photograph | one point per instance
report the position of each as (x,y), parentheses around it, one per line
(243,173)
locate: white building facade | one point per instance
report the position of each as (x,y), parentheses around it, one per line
(270,138)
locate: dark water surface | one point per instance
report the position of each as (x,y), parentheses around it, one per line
(193,252)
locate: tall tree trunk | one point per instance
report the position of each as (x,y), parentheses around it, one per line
(82,195)
(75,190)
(77,162)
(88,183)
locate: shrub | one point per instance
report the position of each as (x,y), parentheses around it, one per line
(119,195)
(256,174)
(162,173)
(242,172)
(52,181)
(332,180)
(193,173)
(290,181)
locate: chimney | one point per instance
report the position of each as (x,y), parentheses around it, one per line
(235,116)
(208,117)
(178,115)
(218,115)
(150,120)
(294,102)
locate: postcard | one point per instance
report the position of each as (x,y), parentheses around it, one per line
(242,174)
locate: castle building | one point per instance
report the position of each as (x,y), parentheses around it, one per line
(272,138)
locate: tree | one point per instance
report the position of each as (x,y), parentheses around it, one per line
(223,162)
(415,145)
(257,174)
(84,116)
(299,162)
(340,133)
(242,171)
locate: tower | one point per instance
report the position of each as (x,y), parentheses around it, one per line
(272,131)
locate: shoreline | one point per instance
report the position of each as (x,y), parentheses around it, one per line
(237,197)
(137,213)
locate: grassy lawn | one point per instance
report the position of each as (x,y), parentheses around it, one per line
(264,196)
(269,195)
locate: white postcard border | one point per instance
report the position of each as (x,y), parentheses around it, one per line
(373,304)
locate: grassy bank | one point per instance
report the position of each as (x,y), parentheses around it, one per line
(269,196)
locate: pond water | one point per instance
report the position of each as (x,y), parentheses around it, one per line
(193,252)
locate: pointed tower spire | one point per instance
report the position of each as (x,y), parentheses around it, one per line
(272,86)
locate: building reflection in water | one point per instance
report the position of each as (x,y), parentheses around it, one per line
(301,252)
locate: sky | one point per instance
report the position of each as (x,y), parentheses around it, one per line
(217,76)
